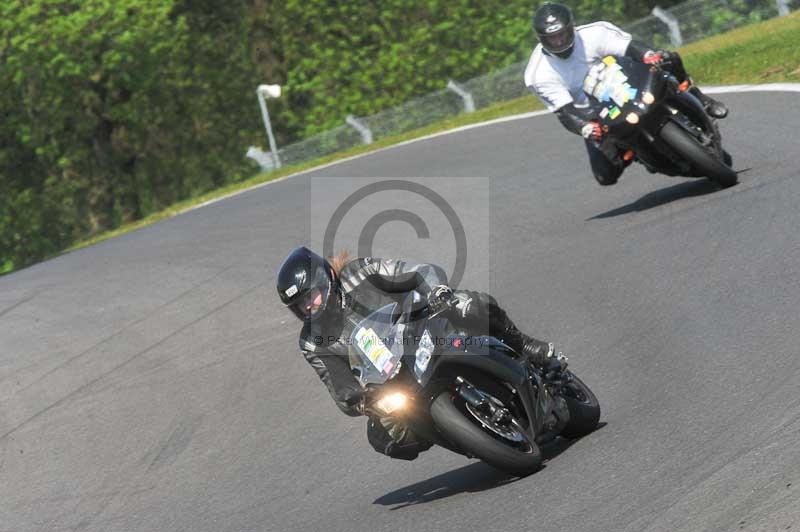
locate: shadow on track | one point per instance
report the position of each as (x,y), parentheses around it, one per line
(688,189)
(472,478)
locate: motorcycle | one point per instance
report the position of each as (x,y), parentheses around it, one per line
(470,394)
(657,121)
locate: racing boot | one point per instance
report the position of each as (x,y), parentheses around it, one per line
(539,353)
(713,107)
(542,355)
(480,313)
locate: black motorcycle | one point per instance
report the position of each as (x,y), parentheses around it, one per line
(470,394)
(657,121)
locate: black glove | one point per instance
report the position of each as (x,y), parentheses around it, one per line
(441,298)
(357,399)
(654,57)
(592,131)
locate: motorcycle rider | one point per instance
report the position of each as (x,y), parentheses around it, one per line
(558,65)
(331,298)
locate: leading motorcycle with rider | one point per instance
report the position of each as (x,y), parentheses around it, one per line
(429,364)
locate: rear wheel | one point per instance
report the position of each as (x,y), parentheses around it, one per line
(701,159)
(727,158)
(502,444)
(584,409)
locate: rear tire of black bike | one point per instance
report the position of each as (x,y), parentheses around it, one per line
(702,160)
(584,409)
(727,158)
(472,439)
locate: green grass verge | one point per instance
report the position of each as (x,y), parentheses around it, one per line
(761,53)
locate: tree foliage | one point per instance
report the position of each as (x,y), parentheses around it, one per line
(112,109)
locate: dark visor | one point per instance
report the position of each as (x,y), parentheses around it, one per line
(559,41)
(311,304)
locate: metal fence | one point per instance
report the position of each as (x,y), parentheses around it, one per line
(679,25)
(697,19)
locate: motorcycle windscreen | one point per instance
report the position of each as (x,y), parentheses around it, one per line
(376,346)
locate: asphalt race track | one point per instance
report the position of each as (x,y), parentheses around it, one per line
(152,382)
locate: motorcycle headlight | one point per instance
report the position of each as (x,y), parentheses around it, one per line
(648,98)
(632,118)
(392,402)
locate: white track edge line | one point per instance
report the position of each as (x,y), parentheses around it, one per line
(767,87)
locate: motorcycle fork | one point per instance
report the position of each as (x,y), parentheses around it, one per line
(656,153)
(661,158)
(541,402)
(531,403)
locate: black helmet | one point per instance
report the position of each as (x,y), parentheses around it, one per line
(555,27)
(306,283)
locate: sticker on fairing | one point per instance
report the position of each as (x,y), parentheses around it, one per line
(614,112)
(604,112)
(619,96)
(622,94)
(376,351)
(292,290)
(424,353)
(615,79)
(607,82)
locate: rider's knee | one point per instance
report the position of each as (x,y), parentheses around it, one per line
(607,178)
(394,440)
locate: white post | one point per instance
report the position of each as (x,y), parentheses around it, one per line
(272,91)
(783,7)
(469,103)
(261,157)
(366,133)
(672,23)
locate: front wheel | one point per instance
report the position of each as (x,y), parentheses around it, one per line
(505,448)
(706,163)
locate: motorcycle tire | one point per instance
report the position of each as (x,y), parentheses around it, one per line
(475,441)
(584,409)
(727,158)
(704,162)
